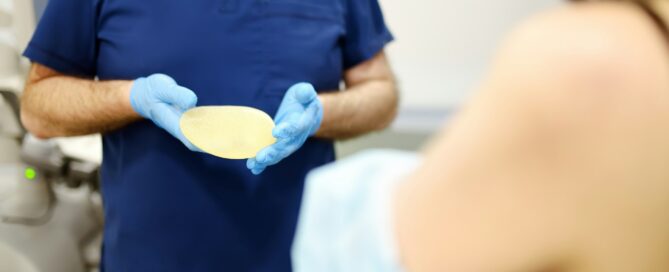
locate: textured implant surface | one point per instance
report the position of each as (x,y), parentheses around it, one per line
(229,132)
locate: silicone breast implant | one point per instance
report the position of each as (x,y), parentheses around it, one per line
(230,132)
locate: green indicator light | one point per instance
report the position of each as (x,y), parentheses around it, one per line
(30,173)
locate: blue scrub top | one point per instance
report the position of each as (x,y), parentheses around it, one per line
(169,209)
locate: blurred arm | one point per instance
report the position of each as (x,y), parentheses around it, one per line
(54,104)
(369,102)
(565,144)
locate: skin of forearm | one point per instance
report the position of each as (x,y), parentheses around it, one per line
(368,104)
(364,108)
(60,106)
(69,106)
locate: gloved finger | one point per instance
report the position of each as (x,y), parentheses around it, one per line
(167,117)
(284,130)
(305,93)
(292,116)
(268,156)
(273,154)
(251,163)
(190,146)
(308,119)
(254,166)
(258,170)
(178,96)
(290,125)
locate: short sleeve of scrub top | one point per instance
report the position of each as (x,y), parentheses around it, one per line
(366,31)
(65,39)
(230,52)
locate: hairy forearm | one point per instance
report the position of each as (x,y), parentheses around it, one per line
(363,108)
(69,106)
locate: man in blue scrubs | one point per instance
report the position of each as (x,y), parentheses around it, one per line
(128,69)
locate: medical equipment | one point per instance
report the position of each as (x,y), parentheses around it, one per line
(346,222)
(11,261)
(50,211)
(160,99)
(299,117)
(230,132)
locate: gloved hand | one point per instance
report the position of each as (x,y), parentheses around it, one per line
(159,98)
(299,116)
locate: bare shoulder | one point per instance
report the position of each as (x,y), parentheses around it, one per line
(600,51)
(608,30)
(590,39)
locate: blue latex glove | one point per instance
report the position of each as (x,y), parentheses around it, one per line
(299,116)
(160,99)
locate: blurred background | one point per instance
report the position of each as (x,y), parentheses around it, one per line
(441,51)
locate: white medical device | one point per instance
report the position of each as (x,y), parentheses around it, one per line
(50,210)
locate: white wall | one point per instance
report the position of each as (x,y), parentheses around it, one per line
(442,47)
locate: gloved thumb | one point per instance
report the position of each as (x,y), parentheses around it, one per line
(304,93)
(161,80)
(169,92)
(180,97)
